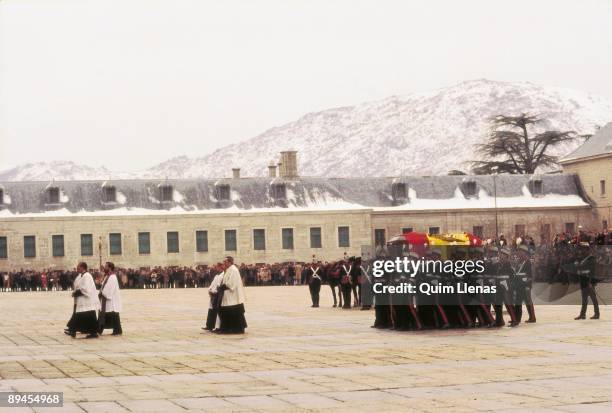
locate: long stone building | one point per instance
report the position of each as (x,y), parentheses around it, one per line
(592,162)
(281,217)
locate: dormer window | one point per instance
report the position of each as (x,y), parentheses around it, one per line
(165,193)
(399,192)
(109,194)
(1,196)
(470,189)
(53,195)
(279,192)
(222,192)
(537,187)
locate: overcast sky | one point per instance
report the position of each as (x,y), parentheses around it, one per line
(130,83)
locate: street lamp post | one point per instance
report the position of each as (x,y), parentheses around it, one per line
(495,207)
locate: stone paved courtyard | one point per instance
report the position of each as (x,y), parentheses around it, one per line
(294,358)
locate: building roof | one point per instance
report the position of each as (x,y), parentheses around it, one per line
(142,197)
(598,144)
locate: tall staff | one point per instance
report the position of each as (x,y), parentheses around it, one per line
(100,249)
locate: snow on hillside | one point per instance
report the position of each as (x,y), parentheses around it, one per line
(57,170)
(421,134)
(418,134)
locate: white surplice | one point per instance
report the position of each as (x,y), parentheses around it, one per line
(88,301)
(234,294)
(214,287)
(111,292)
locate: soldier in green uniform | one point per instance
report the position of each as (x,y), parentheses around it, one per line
(522,283)
(504,287)
(382,308)
(586,273)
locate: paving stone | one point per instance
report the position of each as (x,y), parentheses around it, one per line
(309,400)
(16,410)
(259,402)
(204,403)
(66,408)
(295,358)
(102,407)
(152,406)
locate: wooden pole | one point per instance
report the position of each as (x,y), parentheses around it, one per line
(100,250)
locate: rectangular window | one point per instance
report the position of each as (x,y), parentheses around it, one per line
(478,230)
(406,230)
(173,241)
(519,230)
(434,230)
(166,192)
(259,239)
(144,242)
(602,187)
(399,191)
(315,237)
(53,195)
(470,188)
(279,191)
(570,227)
(201,241)
(57,245)
(537,187)
(230,240)
(3,248)
(109,194)
(287,238)
(86,245)
(344,238)
(380,238)
(29,246)
(545,234)
(114,241)
(223,192)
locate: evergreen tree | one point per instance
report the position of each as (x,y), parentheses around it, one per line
(511,148)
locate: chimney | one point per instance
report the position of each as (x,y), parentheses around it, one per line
(272,170)
(279,168)
(289,164)
(236,173)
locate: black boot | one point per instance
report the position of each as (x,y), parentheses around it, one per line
(531,312)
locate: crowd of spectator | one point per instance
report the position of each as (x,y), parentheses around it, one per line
(550,262)
(553,259)
(288,273)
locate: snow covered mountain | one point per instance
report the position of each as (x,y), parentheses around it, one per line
(58,170)
(427,133)
(422,133)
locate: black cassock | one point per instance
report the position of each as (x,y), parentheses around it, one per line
(211,318)
(84,322)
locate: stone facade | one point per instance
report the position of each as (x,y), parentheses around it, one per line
(71,228)
(536,205)
(592,163)
(592,171)
(541,224)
